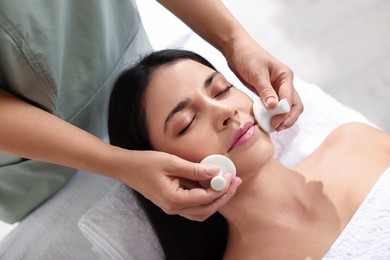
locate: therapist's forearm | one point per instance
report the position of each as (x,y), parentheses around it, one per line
(210,19)
(30,132)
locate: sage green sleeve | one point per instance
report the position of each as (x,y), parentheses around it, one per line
(61,56)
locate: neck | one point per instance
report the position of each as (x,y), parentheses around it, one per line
(275,197)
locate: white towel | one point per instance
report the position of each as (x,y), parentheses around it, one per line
(118,228)
(367,235)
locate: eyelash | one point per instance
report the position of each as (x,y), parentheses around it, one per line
(185,129)
(224,91)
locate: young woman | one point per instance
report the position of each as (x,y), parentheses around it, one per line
(277,213)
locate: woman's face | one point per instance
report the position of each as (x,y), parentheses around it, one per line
(193,111)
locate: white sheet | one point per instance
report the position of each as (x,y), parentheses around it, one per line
(367,235)
(118,228)
(5,228)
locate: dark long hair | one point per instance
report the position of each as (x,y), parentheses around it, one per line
(179,237)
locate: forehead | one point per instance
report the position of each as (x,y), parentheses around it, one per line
(181,74)
(171,83)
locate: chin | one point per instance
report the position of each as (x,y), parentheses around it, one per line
(250,161)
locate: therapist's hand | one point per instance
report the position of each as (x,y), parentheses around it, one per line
(267,77)
(158,176)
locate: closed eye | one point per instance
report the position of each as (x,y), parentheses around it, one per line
(185,129)
(224,91)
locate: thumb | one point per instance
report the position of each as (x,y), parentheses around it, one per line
(199,172)
(267,94)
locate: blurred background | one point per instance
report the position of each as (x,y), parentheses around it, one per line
(343,46)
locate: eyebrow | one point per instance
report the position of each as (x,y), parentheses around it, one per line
(184,103)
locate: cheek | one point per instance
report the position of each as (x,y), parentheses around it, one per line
(193,146)
(188,151)
(242,102)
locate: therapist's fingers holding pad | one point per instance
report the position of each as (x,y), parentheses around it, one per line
(282,81)
(204,211)
(164,182)
(286,120)
(181,197)
(194,171)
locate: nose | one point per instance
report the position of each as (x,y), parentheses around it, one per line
(224,114)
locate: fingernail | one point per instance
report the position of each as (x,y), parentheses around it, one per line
(281,128)
(278,126)
(228,175)
(211,170)
(269,100)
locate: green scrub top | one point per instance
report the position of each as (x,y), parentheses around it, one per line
(61,56)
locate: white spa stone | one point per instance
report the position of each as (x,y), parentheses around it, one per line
(225,165)
(263,116)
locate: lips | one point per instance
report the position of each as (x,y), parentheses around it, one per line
(242,135)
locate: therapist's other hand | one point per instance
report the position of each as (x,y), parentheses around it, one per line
(159,177)
(267,77)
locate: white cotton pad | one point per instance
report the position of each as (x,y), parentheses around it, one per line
(225,165)
(263,116)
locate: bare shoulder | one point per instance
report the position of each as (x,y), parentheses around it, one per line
(351,141)
(348,128)
(358,134)
(361,152)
